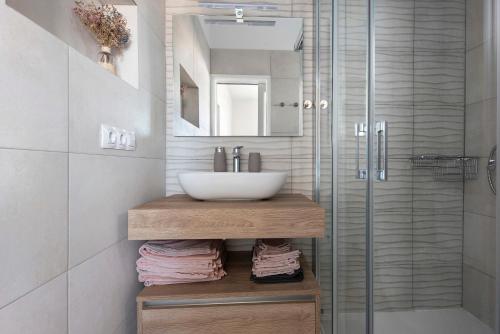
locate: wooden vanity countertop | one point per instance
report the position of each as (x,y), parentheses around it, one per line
(181,217)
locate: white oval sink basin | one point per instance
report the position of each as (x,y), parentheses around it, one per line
(232,186)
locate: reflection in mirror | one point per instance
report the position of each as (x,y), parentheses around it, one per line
(189,99)
(237,78)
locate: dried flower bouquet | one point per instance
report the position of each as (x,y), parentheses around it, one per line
(105,22)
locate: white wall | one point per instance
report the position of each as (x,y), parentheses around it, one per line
(245,119)
(225,106)
(68,28)
(67,266)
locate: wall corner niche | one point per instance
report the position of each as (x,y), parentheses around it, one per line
(189,98)
(57,17)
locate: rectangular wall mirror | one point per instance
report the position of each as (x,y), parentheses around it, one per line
(237,76)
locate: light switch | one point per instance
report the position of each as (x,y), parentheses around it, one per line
(109,136)
(130,141)
(118,139)
(121,142)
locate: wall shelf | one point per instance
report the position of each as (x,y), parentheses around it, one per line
(180,217)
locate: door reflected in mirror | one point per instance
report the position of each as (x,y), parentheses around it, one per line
(237,78)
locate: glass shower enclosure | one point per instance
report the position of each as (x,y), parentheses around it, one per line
(406,140)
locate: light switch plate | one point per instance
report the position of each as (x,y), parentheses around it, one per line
(116,138)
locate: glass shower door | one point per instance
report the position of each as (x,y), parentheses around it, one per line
(350,165)
(411,204)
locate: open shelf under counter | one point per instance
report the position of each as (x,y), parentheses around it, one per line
(181,217)
(233,304)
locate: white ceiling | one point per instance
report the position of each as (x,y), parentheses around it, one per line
(283,35)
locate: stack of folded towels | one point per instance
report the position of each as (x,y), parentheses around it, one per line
(275,261)
(181,261)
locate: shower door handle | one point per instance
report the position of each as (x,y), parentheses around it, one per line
(359,131)
(382,151)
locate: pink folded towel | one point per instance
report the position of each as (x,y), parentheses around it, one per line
(180,247)
(181,261)
(274,257)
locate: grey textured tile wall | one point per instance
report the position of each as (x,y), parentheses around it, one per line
(440,25)
(439,57)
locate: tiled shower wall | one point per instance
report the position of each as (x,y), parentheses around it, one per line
(292,154)
(419,90)
(480,137)
(67,266)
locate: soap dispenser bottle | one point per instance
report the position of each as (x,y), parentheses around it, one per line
(220,159)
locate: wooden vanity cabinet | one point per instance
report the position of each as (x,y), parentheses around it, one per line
(252,318)
(233,304)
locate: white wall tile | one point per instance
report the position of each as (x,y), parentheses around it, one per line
(33,223)
(478,197)
(67,27)
(34,81)
(153,12)
(42,311)
(102,189)
(102,290)
(479,295)
(479,21)
(151,61)
(480,128)
(97,97)
(479,242)
(480,73)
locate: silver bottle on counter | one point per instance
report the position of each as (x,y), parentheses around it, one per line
(220,159)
